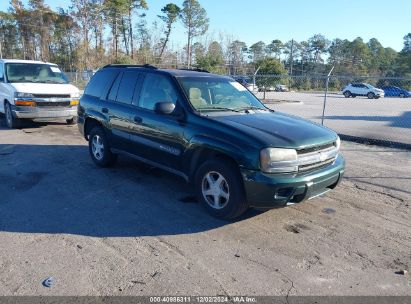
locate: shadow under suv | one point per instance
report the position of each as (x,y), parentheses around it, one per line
(211,131)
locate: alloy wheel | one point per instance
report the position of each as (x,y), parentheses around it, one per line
(215,189)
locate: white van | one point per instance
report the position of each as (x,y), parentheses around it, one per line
(35,90)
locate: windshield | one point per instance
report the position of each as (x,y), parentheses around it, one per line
(34,72)
(225,94)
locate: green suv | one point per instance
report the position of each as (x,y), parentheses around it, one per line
(211,131)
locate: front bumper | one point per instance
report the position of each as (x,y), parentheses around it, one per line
(44,112)
(276,190)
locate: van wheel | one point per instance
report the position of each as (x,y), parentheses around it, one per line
(347,94)
(71,121)
(219,188)
(99,148)
(11,122)
(371,95)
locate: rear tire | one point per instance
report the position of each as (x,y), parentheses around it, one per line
(11,121)
(219,188)
(99,148)
(371,95)
(347,94)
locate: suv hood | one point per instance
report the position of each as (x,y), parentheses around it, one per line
(44,88)
(279,130)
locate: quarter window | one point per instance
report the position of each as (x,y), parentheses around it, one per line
(99,82)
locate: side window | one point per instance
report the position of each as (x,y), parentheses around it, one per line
(127,86)
(98,83)
(156,88)
(114,88)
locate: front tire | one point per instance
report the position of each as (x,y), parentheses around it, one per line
(11,121)
(99,148)
(219,188)
(371,95)
(71,121)
(402,95)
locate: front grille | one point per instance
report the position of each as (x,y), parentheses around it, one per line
(51,95)
(53,104)
(317,165)
(316,148)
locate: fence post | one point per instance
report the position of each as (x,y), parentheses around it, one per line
(325,94)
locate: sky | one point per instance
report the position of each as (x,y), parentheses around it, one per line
(266,20)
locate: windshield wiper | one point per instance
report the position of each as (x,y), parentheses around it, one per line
(50,81)
(218,108)
(252,108)
(18,81)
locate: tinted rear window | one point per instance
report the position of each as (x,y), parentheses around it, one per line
(127,86)
(99,82)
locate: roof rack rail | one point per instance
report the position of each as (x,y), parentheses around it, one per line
(147,66)
(194,69)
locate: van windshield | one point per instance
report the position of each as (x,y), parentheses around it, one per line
(207,94)
(34,72)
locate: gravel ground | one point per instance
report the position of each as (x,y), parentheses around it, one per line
(136,230)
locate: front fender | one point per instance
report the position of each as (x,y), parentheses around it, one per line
(245,157)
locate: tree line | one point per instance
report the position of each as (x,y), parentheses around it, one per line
(92,33)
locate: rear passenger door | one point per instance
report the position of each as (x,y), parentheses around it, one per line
(119,108)
(155,137)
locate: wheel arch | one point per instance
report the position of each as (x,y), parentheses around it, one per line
(202,149)
(89,124)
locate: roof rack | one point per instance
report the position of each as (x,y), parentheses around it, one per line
(147,66)
(195,70)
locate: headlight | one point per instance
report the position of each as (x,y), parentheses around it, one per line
(338,143)
(75,95)
(23,95)
(277,160)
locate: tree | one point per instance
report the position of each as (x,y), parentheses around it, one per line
(258,51)
(404,58)
(194,18)
(171,13)
(276,48)
(212,60)
(318,45)
(236,52)
(269,66)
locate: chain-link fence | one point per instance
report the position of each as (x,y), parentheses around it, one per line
(378,109)
(325,100)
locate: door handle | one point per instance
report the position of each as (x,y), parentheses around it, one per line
(104,110)
(138,119)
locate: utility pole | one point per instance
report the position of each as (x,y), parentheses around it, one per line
(291,57)
(1,51)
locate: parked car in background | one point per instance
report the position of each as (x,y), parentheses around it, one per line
(362,89)
(208,129)
(282,88)
(393,91)
(247,82)
(35,90)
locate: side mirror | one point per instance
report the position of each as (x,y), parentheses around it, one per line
(164,108)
